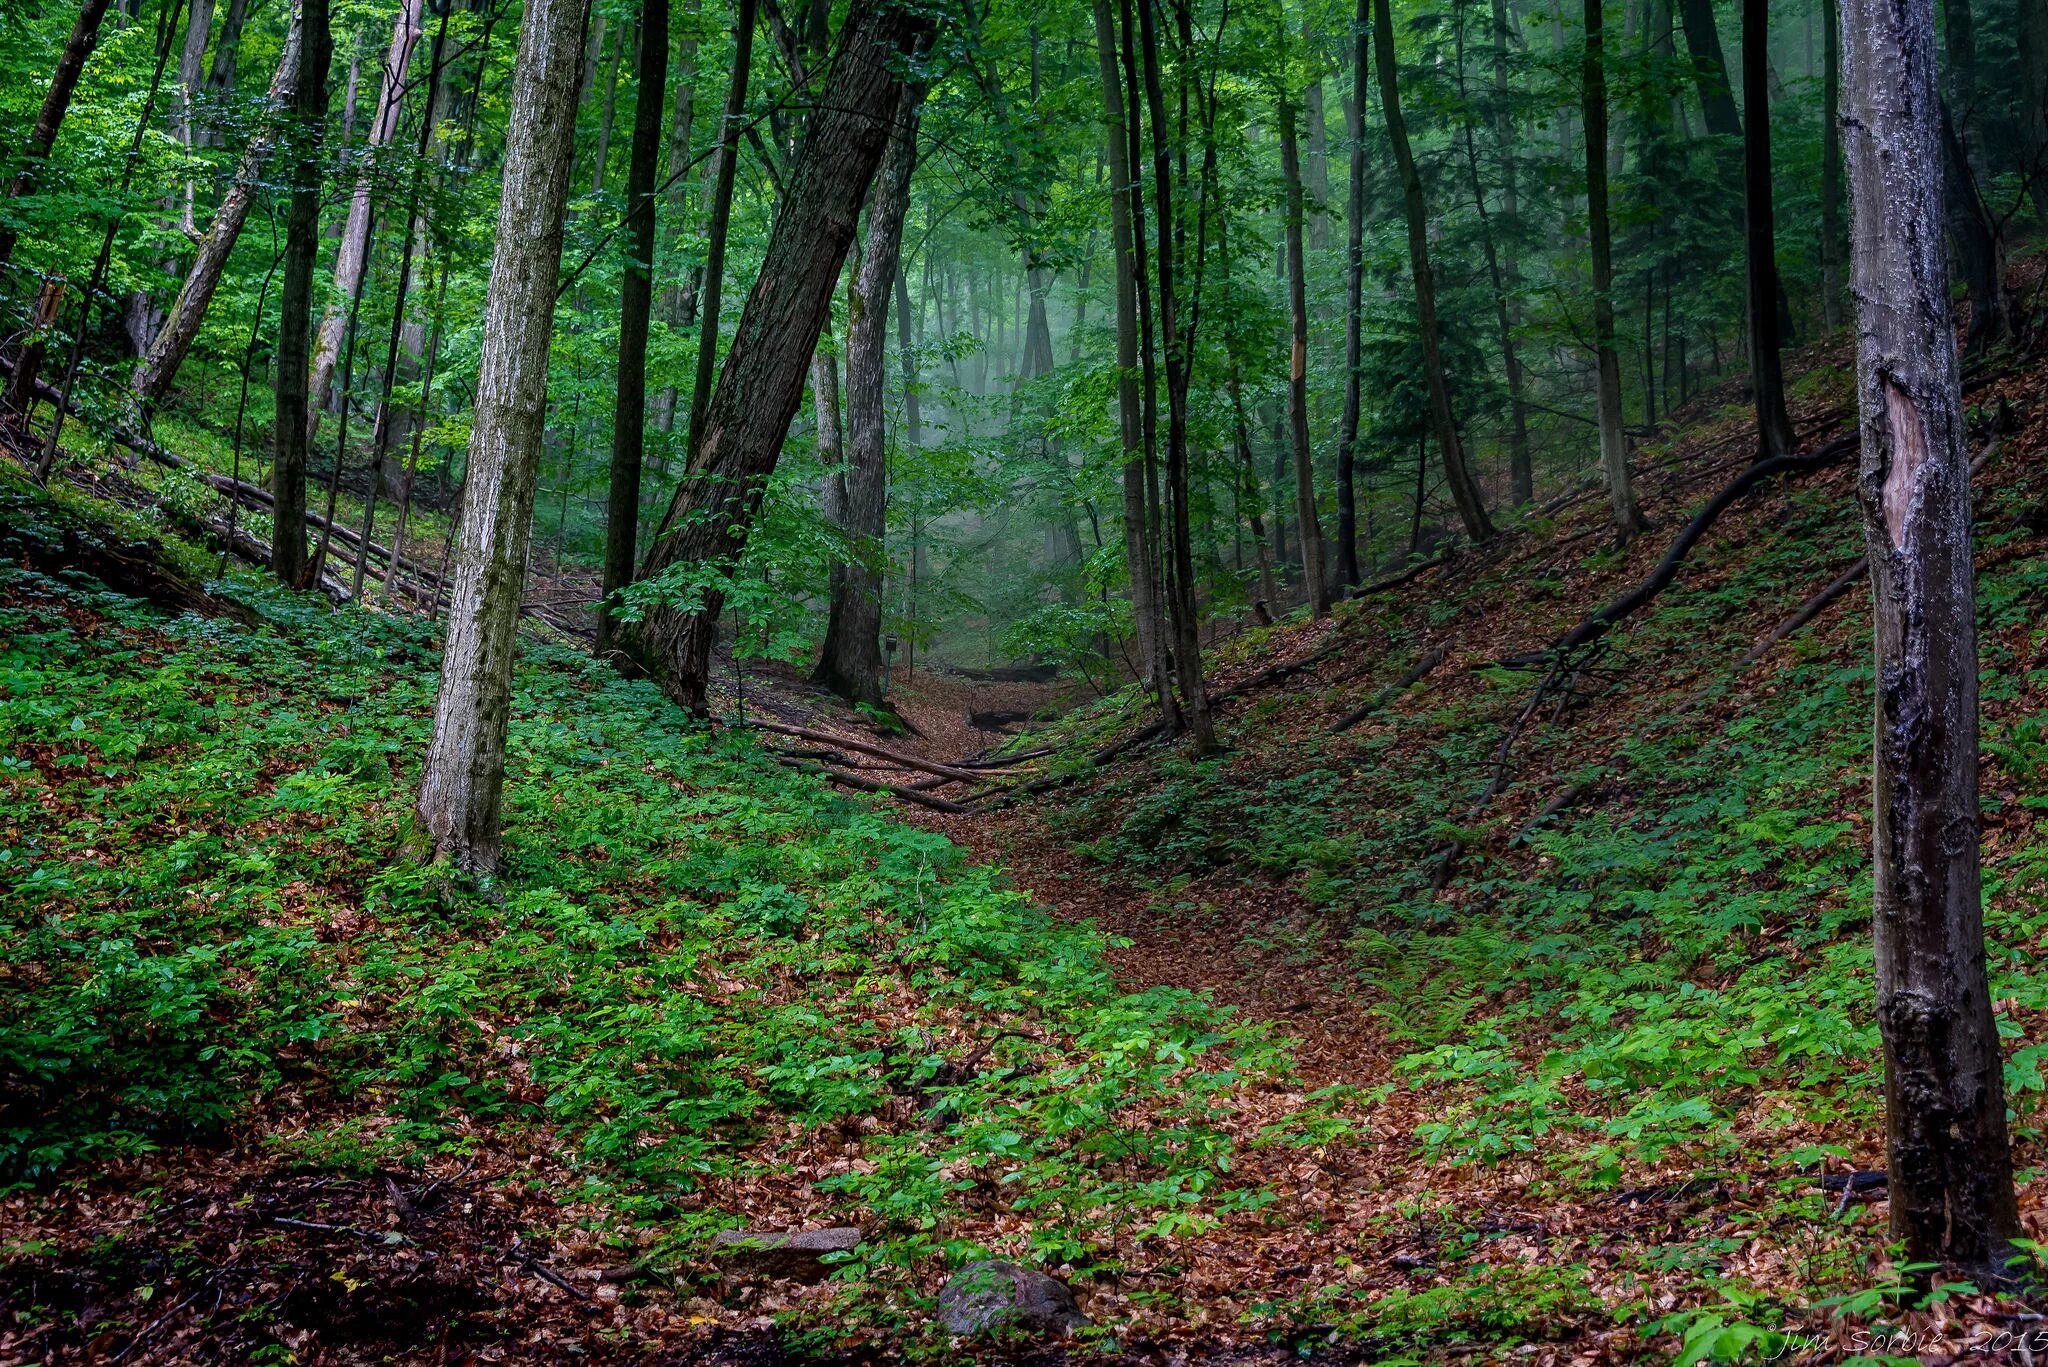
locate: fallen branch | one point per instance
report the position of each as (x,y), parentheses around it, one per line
(1620,609)
(1423,668)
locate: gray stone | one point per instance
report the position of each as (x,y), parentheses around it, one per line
(994,1295)
(784,1253)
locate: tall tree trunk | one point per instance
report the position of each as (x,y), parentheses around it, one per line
(220,76)
(678,301)
(159,365)
(1950,1167)
(1316,181)
(851,664)
(1248,482)
(721,221)
(1354,306)
(295,296)
(1621,498)
(1175,339)
(1710,72)
(1766,373)
(1521,467)
(1311,533)
(191,76)
(352,256)
(85,33)
(1464,489)
(465,765)
(762,380)
(1977,257)
(1139,558)
(608,111)
(1831,169)
(636,306)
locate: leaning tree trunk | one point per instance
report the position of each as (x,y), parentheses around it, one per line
(636,307)
(762,380)
(1950,1167)
(465,766)
(159,365)
(295,297)
(1766,373)
(851,663)
(85,33)
(1621,497)
(1464,489)
(353,254)
(1311,538)
(1139,559)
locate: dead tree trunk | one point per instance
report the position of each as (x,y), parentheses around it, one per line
(762,380)
(295,297)
(1950,1165)
(85,34)
(636,307)
(465,765)
(851,663)
(1621,497)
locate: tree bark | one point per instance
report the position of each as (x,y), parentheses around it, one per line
(1521,467)
(1950,1167)
(220,76)
(352,256)
(1354,307)
(191,75)
(1464,489)
(851,663)
(678,301)
(762,380)
(85,34)
(1139,558)
(1766,373)
(295,296)
(1316,174)
(1621,498)
(1176,347)
(636,305)
(721,221)
(158,367)
(1311,533)
(465,766)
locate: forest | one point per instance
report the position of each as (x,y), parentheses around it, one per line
(1113,681)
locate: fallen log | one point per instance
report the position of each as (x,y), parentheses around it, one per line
(868,785)
(1423,668)
(896,758)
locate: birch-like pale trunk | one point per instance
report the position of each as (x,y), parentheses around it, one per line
(465,765)
(353,254)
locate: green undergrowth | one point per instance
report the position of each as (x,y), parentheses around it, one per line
(1674,974)
(695,961)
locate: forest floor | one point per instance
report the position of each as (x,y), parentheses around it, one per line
(1479,1030)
